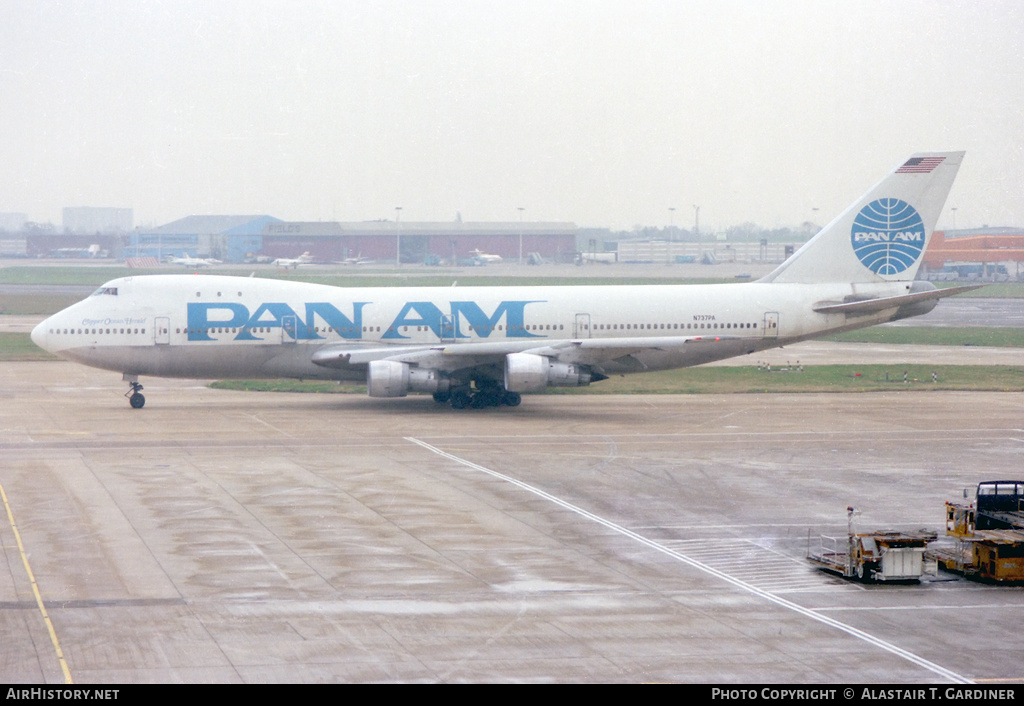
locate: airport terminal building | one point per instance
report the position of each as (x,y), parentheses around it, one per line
(246,238)
(983,254)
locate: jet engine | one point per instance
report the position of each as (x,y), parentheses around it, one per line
(526,372)
(390,378)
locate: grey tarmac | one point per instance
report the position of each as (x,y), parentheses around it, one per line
(220,536)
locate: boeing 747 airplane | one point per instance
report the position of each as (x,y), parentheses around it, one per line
(485,346)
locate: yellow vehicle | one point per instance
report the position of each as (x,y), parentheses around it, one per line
(989,534)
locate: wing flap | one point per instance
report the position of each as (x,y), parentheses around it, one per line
(593,351)
(354,356)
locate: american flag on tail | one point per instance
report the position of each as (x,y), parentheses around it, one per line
(920,165)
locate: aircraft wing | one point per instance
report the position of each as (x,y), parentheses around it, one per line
(456,356)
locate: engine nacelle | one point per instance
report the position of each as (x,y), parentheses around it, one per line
(389,378)
(526,372)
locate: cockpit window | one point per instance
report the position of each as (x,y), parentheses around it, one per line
(105,290)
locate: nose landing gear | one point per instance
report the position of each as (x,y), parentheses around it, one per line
(134,395)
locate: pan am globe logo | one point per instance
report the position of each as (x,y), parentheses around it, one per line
(888,236)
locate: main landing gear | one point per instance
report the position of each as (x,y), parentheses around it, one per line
(134,395)
(487,394)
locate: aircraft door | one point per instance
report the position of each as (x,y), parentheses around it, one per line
(162,330)
(447,329)
(288,329)
(581,326)
(771,324)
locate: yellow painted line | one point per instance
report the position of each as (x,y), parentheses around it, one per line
(1001,680)
(35,590)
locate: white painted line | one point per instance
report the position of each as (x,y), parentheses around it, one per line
(700,566)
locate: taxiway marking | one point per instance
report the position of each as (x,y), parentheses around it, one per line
(36,592)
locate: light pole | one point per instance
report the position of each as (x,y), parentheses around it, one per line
(398,236)
(520,209)
(696,231)
(670,248)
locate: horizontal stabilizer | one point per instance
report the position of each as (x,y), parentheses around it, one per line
(870,306)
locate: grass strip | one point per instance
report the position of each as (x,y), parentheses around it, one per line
(1000,337)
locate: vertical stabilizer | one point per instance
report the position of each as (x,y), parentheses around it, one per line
(882,236)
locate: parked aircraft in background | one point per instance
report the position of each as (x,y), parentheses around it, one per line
(483,346)
(605,258)
(359,260)
(485,257)
(187,261)
(294,262)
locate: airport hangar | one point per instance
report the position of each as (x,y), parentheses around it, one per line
(244,238)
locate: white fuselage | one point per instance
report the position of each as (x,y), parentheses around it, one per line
(219,326)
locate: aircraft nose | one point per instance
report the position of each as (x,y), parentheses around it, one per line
(39,334)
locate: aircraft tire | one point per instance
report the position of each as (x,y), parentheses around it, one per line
(137,401)
(460,400)
(490,396)
(512,399)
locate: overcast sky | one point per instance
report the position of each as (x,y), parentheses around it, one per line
(600,112)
